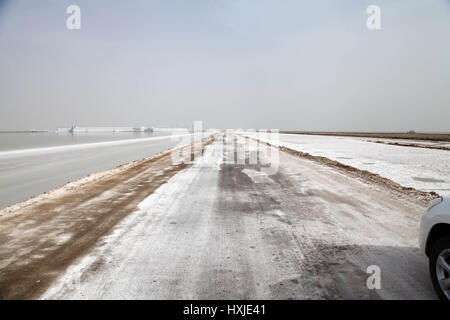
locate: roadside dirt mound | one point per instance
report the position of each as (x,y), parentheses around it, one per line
(413,145)
(380,135)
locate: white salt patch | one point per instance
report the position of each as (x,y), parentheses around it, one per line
(257,176)
(62,238)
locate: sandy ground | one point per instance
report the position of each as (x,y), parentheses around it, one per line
(227,231)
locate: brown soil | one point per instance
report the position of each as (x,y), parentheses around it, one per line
(381,135)
(413,145)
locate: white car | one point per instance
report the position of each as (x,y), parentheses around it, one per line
(435,242)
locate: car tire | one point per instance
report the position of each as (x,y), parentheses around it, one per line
(439,265)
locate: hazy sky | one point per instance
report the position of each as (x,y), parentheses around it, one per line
(287,64)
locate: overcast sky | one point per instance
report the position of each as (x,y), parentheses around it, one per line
(287,64)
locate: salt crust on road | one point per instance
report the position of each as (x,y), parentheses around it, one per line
(223,231)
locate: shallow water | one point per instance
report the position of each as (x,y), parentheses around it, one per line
(55,160)
(23,140)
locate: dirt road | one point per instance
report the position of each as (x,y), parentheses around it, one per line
(220,231)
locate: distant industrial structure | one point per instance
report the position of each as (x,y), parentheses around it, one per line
(75,129)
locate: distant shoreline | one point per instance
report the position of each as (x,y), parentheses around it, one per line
(26,131)
(382,135)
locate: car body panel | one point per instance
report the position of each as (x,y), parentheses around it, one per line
(439,214)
